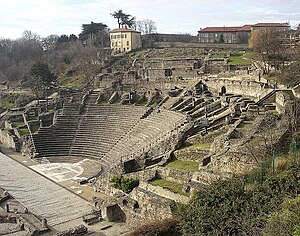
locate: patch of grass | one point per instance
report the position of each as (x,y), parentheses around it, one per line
(184,165)
(257,141)
(249,55)
(72,82)
(198,146)
(274,112)
(244,125)
(239,60)
(103,102)
(34,128)
(24,131)
(155,104)
(5,103)
(142,102)
(29,118)
(171,186)
(18,124)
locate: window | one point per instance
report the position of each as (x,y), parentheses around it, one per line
(127,48)
(125,36)
(127,43)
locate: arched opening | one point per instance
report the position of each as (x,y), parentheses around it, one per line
(223,91)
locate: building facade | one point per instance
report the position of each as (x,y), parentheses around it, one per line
(239,34)
(274,26)
(124,40)
(235,35)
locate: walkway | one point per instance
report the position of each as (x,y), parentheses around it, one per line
(39,194)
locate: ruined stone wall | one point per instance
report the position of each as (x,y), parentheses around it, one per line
(151,207)
(238,87)
(174,175)
(164,193)
(8,140)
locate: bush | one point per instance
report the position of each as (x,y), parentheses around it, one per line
(124,184)
(228,207)
(287,221)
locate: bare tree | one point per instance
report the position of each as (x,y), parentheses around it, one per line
(146,26)
(267,44)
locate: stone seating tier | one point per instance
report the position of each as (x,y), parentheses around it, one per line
(106,132)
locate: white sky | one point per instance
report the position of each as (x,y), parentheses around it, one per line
(46,17)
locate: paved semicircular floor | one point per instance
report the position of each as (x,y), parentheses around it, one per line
(39,194)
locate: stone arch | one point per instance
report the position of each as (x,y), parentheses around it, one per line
(223,90)
(114,213)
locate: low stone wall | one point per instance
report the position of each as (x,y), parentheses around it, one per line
(152,207)
(198,138)
(164,193)
(8,140)
(191,154)
(174,175)
(239,87)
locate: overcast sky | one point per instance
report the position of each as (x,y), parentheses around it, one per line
(46,17)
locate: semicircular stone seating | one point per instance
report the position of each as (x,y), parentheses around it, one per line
(106,132)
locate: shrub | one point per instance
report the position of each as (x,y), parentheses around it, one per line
(124,184)
(287,221)
(228,207)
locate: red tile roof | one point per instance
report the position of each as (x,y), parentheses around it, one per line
(272,25)
(227,29)
(241,28)
(246,28)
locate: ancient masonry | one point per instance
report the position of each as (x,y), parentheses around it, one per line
(191,117)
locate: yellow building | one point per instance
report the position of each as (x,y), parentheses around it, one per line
(124,40)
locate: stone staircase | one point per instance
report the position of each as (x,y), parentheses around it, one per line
(56,140)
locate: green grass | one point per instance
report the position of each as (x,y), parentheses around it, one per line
(24,131)
(102,102)
(18,124)
(5,103)
(198,146)
(29,118)
(244,125)
(184,165)
(34,128)
(155,104)
(274,112)
(256,141)
(142,102)
(171,186)
(249,55)
(239,60)
(72,82)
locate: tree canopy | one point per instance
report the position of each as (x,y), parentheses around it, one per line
(123,19)
(267,44)
(39,78)
(95,32)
